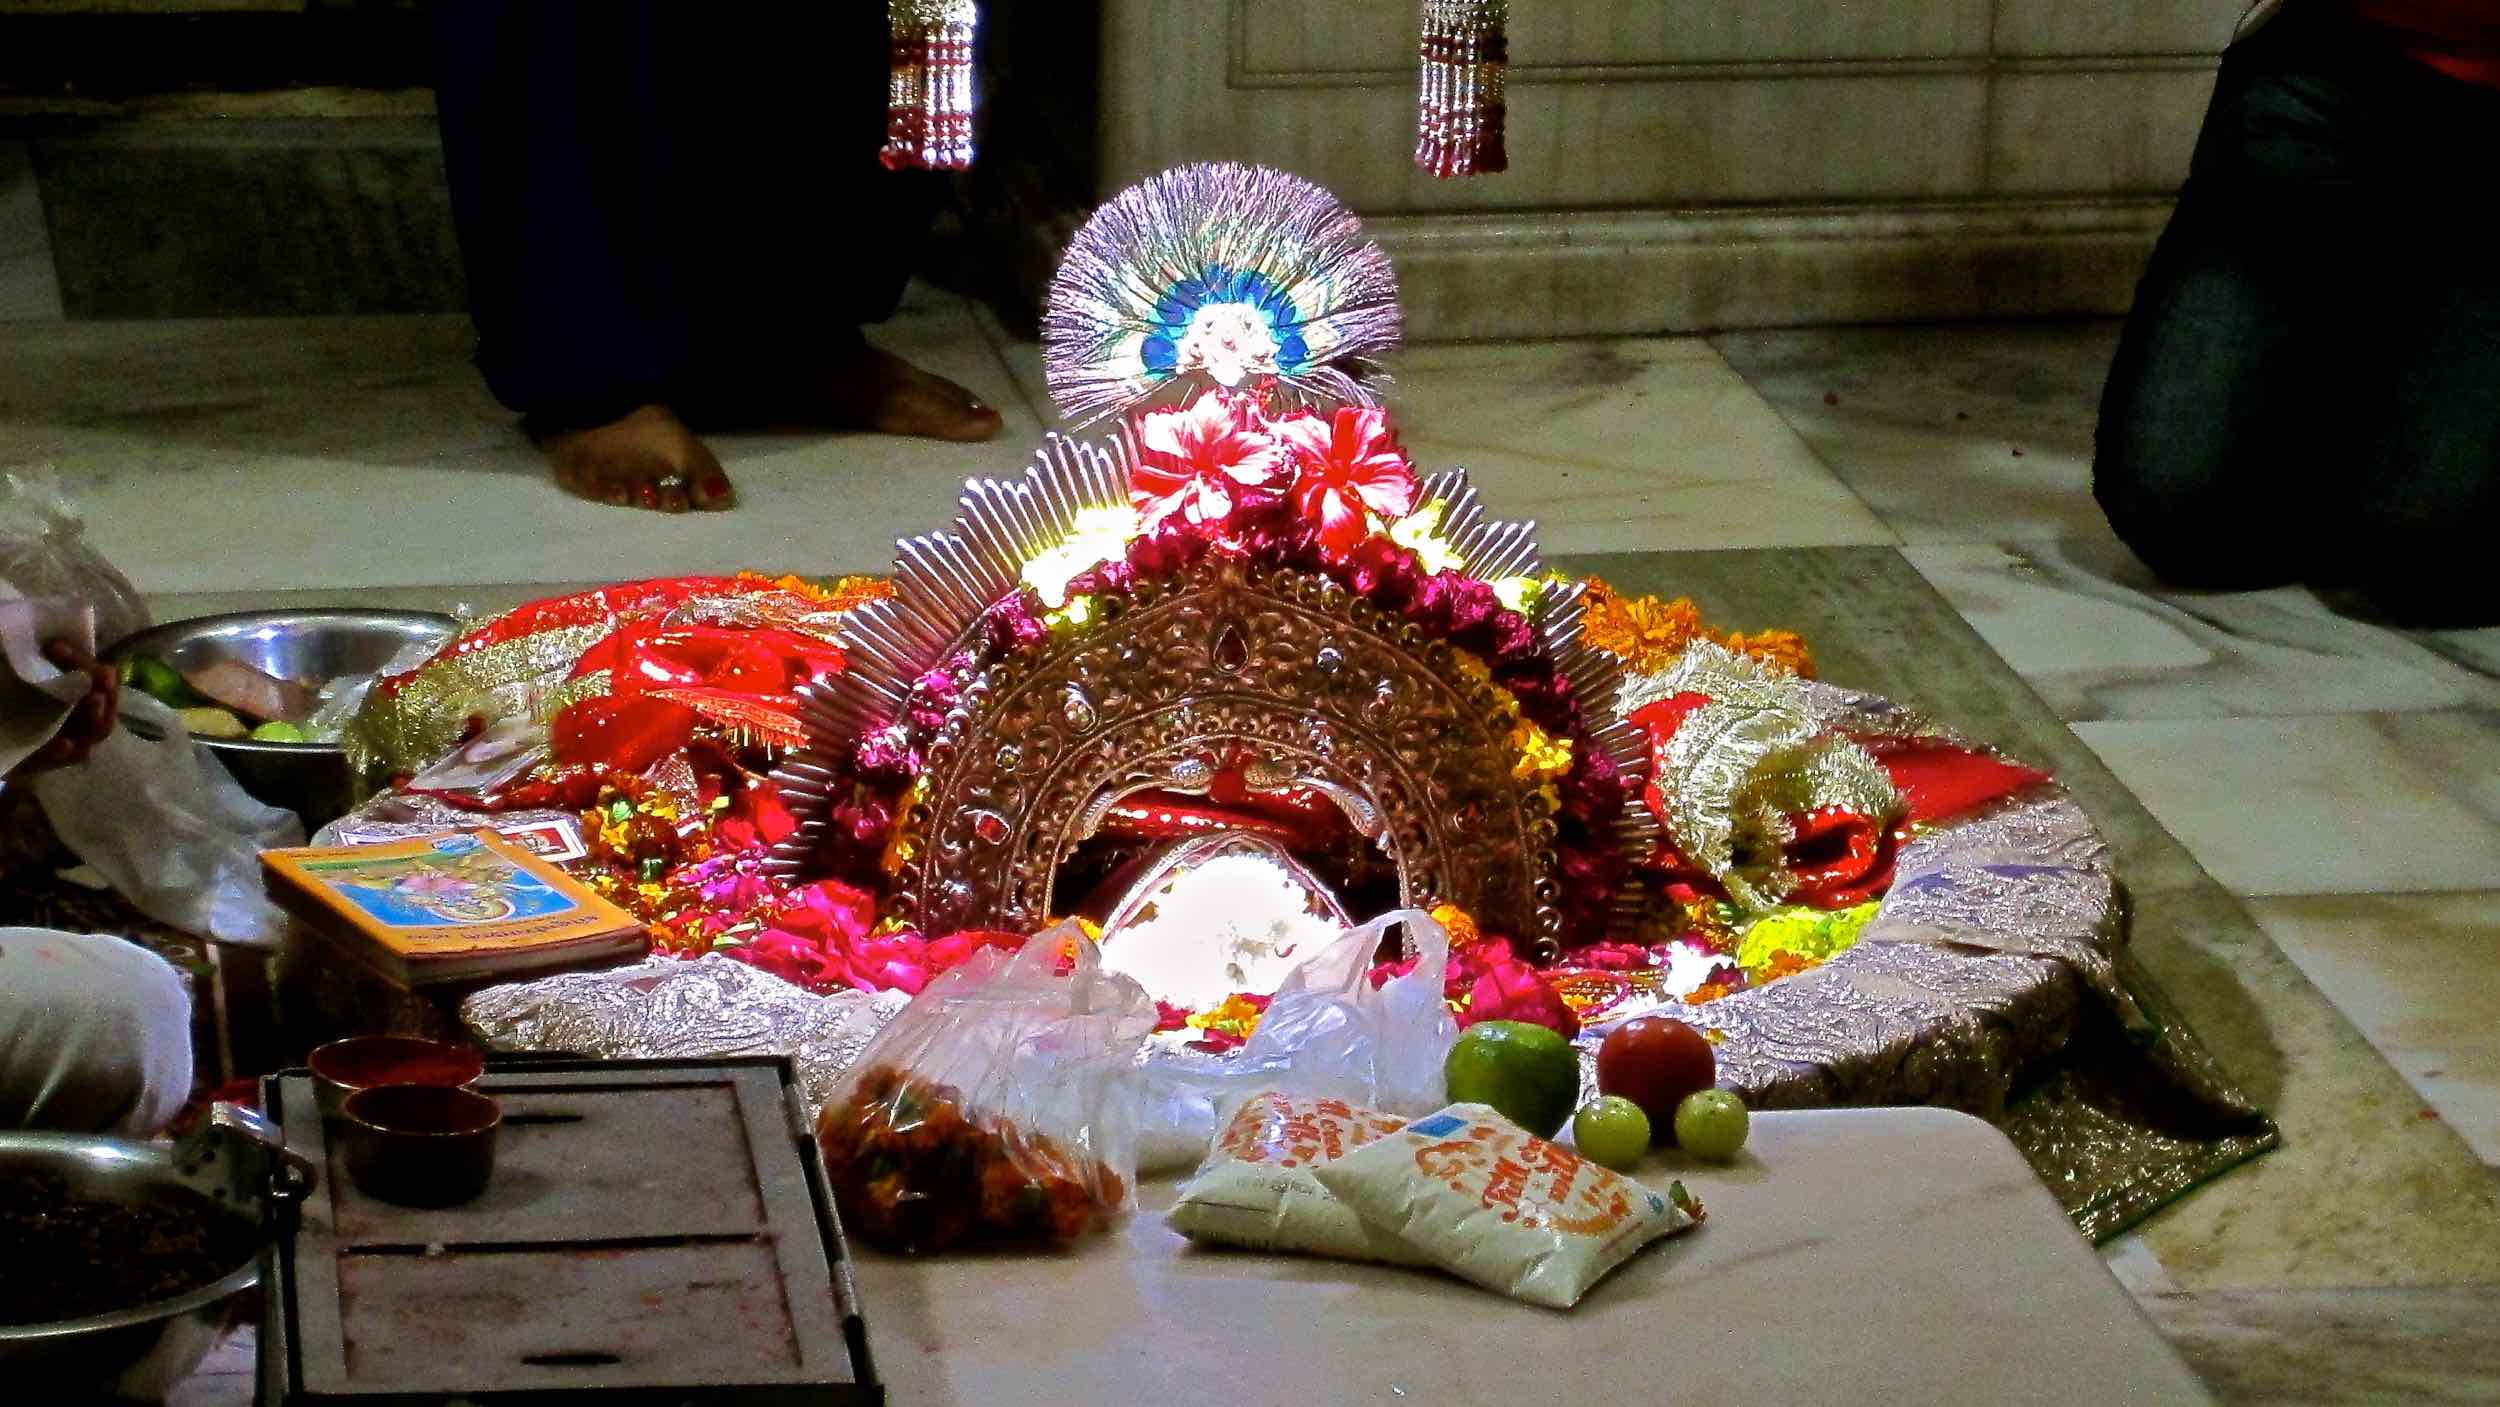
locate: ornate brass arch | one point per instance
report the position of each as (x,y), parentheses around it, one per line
(1288,665)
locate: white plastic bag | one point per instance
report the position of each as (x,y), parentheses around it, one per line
(168,828)
(44,552)
(1327,1033)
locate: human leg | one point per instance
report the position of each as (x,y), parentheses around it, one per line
(551,140)
(2228,410)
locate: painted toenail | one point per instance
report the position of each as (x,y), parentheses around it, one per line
(716,486)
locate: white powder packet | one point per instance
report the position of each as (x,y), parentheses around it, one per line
(1255,1187)
(1486,1200)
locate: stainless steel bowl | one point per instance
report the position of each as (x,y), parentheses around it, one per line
(137,1354)
(312,647)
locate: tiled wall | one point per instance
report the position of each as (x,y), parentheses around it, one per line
(1694,163)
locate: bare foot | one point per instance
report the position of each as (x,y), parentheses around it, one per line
(646,459)
(860,389)
(879,391)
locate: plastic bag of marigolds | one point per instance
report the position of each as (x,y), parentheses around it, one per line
(999,1108)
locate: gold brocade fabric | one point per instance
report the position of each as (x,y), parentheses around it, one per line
(407,730)
(2119,1125)
(1741,765)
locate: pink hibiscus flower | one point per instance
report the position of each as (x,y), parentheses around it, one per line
(1345,466)
(1196,462)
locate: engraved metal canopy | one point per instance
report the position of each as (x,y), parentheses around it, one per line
(1320,689)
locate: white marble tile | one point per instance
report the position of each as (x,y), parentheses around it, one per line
(2410,972)
(29,287)
(2326,804)
(238,455)
(2362,1191)
(1973,432)
(2090,630)
(1628,444)
(2421,1345)
(1622,445)
(2477,650)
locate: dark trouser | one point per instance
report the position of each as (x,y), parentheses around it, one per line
(660,197)
(2308,388)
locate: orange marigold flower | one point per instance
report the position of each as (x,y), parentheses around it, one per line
(1787,964)
(1707,992)
(1642,631)
(1462,928)
(1782,649)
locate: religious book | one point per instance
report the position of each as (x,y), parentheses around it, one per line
(450,908)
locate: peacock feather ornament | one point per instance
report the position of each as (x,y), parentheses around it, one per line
(1217,275)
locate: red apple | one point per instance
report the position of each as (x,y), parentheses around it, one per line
(1655,1061)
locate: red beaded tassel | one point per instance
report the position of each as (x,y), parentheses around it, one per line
(929,101)
(1459,112)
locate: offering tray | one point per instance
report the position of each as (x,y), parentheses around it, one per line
(655,1232)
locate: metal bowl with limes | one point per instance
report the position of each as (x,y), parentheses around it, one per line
(308,647)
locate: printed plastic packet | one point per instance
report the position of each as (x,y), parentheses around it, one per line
(1255,1188)
(1482,1198)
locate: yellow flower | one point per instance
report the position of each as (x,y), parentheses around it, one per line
(1235,1015)
(1541,755)
(1780,939)
(1520,593)
(1078,611)
(900,847)
(1099,535)
(1419,532)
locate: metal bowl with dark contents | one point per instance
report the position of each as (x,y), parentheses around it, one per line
(309,647)
(212,1186)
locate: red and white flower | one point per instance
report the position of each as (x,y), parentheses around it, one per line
(1346,468)
(1197,461)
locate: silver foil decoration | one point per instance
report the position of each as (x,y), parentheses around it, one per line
(676,1008)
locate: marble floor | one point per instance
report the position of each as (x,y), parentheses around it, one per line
(2306,805)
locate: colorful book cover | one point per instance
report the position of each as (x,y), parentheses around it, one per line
(475,901)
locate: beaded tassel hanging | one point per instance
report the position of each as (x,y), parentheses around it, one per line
(929,98)
(1459,112)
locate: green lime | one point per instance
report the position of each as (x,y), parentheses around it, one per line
(275,731)
(1612,1131)
(1527,1072)
(159,681)
(1711,1124)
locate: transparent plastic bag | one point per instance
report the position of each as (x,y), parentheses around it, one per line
(44,552)
(167,827)
(1326,1033)
(1000,1107)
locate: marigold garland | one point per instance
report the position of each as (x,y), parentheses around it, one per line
(1648,634)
